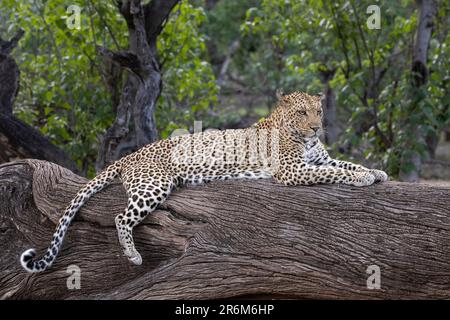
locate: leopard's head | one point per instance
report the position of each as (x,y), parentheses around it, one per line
(301,114)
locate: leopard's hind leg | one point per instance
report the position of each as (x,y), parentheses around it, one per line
(144,196)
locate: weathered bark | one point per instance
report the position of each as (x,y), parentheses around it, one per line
(229,239)
(17,139)
(135,125)
(427,16)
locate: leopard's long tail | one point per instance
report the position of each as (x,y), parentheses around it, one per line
(92,187)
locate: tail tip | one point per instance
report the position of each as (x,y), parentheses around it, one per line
(26,259)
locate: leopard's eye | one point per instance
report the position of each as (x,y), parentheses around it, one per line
(302,112)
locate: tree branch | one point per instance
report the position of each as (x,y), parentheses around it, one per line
(156,12)
(127,60)
(7,46)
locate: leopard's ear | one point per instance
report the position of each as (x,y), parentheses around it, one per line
(279,94)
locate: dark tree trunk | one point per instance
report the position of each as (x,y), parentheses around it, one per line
(17,139)
(230,239)
(427,16)
(329,106)
(9,74)
(135,125)
(432,141)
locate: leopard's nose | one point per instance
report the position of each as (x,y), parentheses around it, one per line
(315,128)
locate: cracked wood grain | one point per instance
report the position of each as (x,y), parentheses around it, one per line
(229,239)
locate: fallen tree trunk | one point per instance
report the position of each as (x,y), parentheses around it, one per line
(229,239)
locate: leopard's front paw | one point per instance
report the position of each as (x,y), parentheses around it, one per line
(380,176)
(363,179)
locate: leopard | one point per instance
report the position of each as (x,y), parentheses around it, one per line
(284,146)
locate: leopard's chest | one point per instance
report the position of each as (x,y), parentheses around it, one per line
(311,151)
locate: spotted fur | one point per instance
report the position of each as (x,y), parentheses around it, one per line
(284,146)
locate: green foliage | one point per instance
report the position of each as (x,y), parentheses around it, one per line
(223,25)
(297,40)
(283,44)
(63,90)
(189,82)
